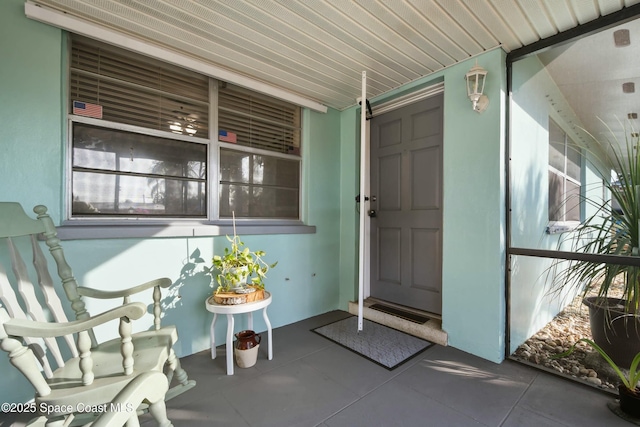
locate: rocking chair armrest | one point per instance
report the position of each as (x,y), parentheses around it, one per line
(96,293)
(31,328)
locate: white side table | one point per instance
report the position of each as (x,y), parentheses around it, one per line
(230,310)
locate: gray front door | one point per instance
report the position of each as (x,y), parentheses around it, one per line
(406,190)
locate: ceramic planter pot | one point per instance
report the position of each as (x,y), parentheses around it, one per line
(246,348)
(617,333)
(239,275)
(246,358)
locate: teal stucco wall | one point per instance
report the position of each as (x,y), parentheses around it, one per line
(474,242)
(30,107)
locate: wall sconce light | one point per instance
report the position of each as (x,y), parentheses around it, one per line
(475,86)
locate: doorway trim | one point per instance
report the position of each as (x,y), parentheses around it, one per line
(409,98)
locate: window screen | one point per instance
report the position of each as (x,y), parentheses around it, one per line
(258,186)
(123,173)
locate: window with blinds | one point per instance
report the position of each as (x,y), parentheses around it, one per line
(141,144)
(258,121)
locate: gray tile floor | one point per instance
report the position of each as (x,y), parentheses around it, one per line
(314,382)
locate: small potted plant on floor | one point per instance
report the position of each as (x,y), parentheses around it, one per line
(234,268)
(629,392)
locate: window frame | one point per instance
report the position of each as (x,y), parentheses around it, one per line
(113,227)
(563,225)
(69,218)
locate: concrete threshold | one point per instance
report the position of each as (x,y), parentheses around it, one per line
(430,331)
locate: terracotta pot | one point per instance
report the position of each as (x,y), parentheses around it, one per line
(629,401)
(612,329)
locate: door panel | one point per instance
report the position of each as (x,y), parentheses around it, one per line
(406,189)
(389,189)
(391,133)
(425,167)
(390,263)
(425,244)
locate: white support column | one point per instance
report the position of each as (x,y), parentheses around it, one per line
(363,197)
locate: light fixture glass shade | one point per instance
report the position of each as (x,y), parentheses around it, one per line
(475,86)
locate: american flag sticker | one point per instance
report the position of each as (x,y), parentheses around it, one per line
(225,136)
(87,110)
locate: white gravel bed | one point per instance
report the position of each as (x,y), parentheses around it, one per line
(558,336)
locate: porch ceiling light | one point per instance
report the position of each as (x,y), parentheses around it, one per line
(475,86)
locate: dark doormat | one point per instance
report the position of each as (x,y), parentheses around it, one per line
(385,346)
(407,315)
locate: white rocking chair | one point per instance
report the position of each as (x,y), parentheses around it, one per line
(97,373)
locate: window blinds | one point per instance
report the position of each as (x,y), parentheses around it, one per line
(139,91)
(145,92)
(259,121)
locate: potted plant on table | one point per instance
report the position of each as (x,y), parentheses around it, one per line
(612,230)
(629,392)
(234,268)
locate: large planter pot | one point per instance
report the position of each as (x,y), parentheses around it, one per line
(612,329)
(629,401)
